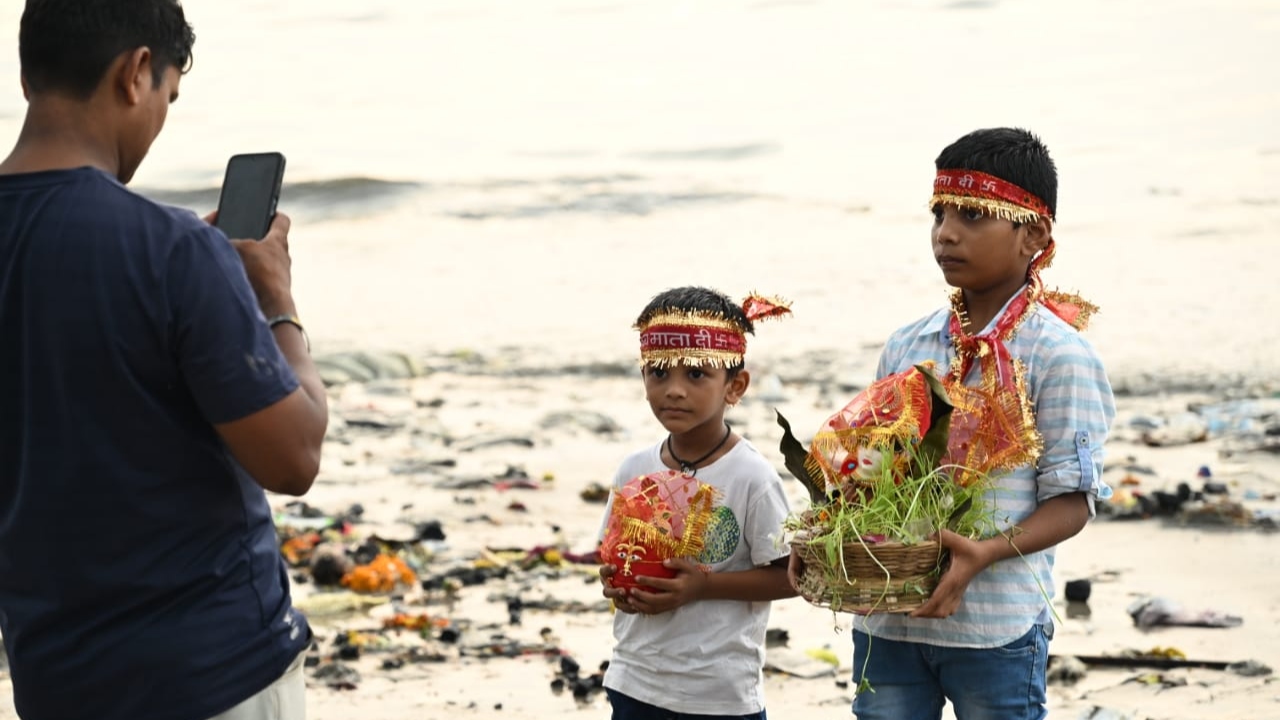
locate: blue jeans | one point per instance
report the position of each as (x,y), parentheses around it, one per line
(626,707)
(912,681)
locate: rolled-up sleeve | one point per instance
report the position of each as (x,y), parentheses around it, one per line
(1074,408)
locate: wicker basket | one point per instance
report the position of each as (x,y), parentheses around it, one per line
(875,578)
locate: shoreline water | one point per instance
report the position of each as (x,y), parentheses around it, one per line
(832,370)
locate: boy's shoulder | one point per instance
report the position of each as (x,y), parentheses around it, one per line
(642,461)
(925,335)
(1049,333)
(748,456)
(931,324)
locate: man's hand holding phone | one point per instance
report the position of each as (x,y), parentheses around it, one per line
(269,267)
(247,214)
(279,445)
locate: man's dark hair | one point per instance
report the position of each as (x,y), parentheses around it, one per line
(698,300)
(67,45)
(1011,154)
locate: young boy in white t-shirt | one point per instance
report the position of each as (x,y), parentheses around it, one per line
(693,645)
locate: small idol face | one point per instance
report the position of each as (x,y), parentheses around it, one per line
(628,553)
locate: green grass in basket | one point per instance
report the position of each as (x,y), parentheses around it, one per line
(906,508)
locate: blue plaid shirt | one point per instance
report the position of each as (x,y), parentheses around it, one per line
(1073,406)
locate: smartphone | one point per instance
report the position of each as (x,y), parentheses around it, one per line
(250,192)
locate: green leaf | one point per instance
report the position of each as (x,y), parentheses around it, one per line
(959,512)
(794,455)
(933,447)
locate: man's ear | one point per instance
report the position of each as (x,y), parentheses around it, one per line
(26,91)
(1036,236)
(737,387)
(132,74)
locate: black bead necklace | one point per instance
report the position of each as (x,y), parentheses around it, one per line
(691,466)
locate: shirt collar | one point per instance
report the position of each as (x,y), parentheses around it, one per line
(940,323)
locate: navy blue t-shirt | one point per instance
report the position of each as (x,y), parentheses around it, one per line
(140,575)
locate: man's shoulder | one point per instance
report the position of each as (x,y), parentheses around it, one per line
(132,212)
(181,223)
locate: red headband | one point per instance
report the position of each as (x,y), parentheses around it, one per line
(695,338)
(978,190)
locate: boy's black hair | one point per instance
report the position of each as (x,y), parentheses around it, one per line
(1011,154)
(67,45)
(698,299)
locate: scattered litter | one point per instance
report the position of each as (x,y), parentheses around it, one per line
(1249,668)
(1162,659)
(384,574)
(1161,679)
(1149,612)
(801,664)
(1100,713)
(488,441)
(337,676)
(583,689)
(1079,590)
(1065,670)
(595,493)
(594,422)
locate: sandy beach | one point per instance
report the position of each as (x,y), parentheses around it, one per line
(500,459)
(1230,570)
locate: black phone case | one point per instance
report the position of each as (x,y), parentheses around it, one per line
(250,193)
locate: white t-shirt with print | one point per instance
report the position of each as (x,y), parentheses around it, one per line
(707,657)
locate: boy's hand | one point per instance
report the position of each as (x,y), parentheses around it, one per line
(795,568)
(967,560)
(620,597)
(689,585)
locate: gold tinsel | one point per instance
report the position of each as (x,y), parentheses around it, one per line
(1002,209)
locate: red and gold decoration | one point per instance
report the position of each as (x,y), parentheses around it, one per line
(989,431)
(698,338)
(655,517)
(988,193)
(1002,387)
(917,451)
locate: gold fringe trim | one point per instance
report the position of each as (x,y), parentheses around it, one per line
(1086,308)
(695,318)
(694,537)
(639,532)
(690,357)
(1000,425)
(995,208)
(691,541)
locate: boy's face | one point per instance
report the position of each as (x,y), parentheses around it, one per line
(983,254)
(686,398)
